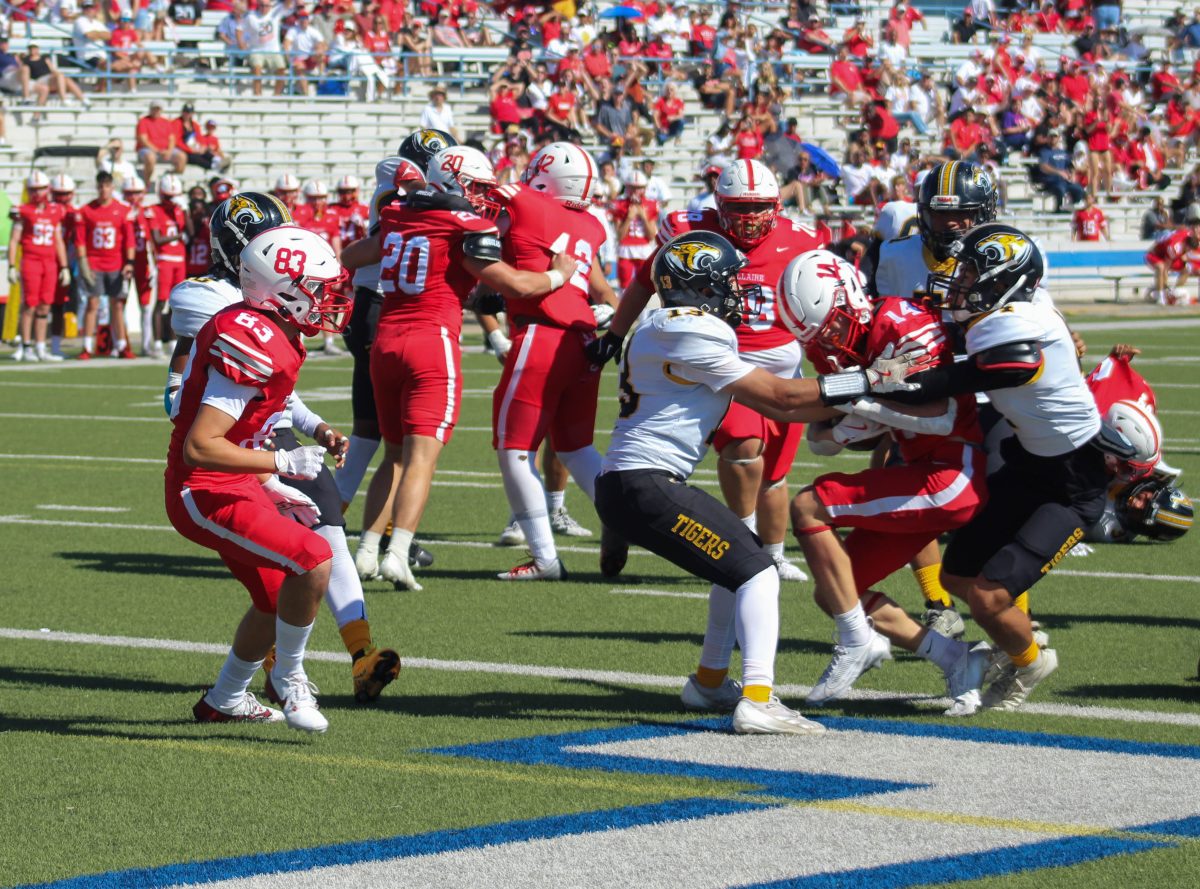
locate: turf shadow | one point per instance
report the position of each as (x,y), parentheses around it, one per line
(1131,691)
(1059,621)
(786,645)
(129,730)
(92,681)
(155,564)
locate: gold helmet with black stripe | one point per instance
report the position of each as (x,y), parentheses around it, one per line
(955,197)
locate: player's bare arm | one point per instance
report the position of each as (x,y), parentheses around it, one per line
(519,284)
(206,446)
(599,290)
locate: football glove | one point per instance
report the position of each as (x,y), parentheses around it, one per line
(292,503)
(604,314)
(64,276)
(305,462)
(501,345)
(14,275)
(604,349)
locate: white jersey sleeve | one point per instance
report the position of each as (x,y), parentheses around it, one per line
(195,300)
(385,173)
(1004,326)
(699,348)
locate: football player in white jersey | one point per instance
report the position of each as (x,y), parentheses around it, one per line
(679,373)
(193,302)
(1052,484)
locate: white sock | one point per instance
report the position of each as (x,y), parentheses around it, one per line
(584,466)
(555,500)
(358,458)
(89,344)
(721,632)
(147,326)
(852,627)
(369,542)
(774,550)
(344,595)
(40,349)
(289,647)
(527,499)
(400,543)
(942,651)
(232,681)
(758,626)
(120,346)
(751,522)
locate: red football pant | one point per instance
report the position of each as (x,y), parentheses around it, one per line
(238,521)
(627,270)
(39,280)
(417,378)
(548,387)
(169,274)
(780,440)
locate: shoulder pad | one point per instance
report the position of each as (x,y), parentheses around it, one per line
(237,354)
(1016,356)
(483,245)
(1010,324)
(429,199)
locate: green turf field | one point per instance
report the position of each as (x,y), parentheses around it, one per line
(104,770)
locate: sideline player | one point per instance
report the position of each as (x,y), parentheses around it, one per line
(62,191)
(243,366)
(141,248)
(105,264)
(755,453)
(1051,486)
(167,222)
(680,371)
(38,229)
(549,386)
(431,247)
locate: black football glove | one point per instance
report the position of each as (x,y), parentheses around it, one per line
(487,302)
(606,348)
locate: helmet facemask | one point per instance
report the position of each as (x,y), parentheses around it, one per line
(841,337)
(322,307)
(748,222)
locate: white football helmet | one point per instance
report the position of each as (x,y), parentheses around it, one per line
(62,184)
(170,185)
(564,171)
(295,273)
(287,182)
(747,201)
(824,304)
(635,179)
(37,179)
(466,172)
(315,188)
(133,185)
(1138,424)
(348,183)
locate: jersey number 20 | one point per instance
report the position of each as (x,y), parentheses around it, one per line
(405,263)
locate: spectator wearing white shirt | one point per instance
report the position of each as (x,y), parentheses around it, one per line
(707,199)
(263,40)
(984,12)
(968,72)
(359,60)
(233,31)
(305,45)
(891,51)
(925,101)
(62,11)
(559,47)
(438,115)
(861,182)
(90,38)
(657,189)
(111,159)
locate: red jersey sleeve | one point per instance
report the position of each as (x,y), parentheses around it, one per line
(240,348)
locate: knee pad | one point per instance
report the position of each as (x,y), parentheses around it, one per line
(740,461)
(771,486)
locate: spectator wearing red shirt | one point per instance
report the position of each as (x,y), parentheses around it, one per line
(563,117)
(814,39)
(702,35)
(668,114)
(125,56)
(597,61)
(503,107)
(636,221)
(659,50)
(747,140)
(1100,160)
(105,263)
(156,142)
(964,135)
(1074,85)
(1048,21)
(1164,82)
(857,40)
(1146,161)
(1089,222)
(881,125)
(845,79)
(902,18)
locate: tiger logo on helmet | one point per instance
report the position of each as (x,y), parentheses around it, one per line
(243,211)
(1004,247)
(691,257)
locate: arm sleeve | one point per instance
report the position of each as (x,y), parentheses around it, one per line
(1001,367)
(707,357)
(227,396)
(303,417)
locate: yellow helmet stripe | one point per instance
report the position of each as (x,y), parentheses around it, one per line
(1174,519)
(946,184)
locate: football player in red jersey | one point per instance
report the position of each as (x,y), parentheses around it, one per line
(315,215)
(244,365)
(287,189)
(350,211)
(137,236)
(62,192)
(167,222)
(105,263)
(636,219)
(1089,222)
(893,511)
(755,453)
(43,266)
(549,385)
(199,250)
(431,247)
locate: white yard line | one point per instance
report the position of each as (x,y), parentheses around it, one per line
(1166,323)
(614,677)
(65,507)
(666,594)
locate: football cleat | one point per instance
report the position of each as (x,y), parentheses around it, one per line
(85,355)
(1014,685)
(366,563)
(1000,662)
(562,523)
(126,353)
(331,349)
(374,668)
(788,570)
(18,353)
(512,535)
(965,679)
(418,556)
(945,621)
(721,699)
(248,709)
(299,702)
(771,718)
(849,662)
(398,572)
(614,552)
(530,571)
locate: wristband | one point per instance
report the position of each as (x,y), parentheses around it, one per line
(842,387)
(498,341)
(556,279)
(174,383)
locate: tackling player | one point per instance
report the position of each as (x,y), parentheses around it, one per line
(167,222)
(755,453)
(243,367)
(105,264)
(431,247)
(38,229)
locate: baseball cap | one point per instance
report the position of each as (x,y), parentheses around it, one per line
(210,123)
(188,108)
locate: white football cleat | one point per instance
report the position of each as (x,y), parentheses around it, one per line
(299,702)
(366,563)
(1014,685)
(331,349)
(771,718)
(788,570)
(398,572)
(1001,663)
(562,523)
(964,680)
(530,571)
(849,662)
(721,699)
(512,535)
(248,709)
(945,622)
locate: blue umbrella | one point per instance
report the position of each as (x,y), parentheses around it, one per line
(621,12)
(822,159)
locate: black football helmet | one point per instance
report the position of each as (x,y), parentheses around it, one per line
(953,187)
(1155,508)
(995,264)
(237,220)
(421,145)
(699,270)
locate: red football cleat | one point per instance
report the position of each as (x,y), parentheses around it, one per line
(85,355)
(126,353)
(248,709)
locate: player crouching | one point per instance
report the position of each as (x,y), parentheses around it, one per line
(243,366)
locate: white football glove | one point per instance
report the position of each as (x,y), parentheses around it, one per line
(500,344)
(14,275)
(603,313)
(889,370)
(851,429)
(64,276)
(292,503)
(1081,549)
(304,462)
